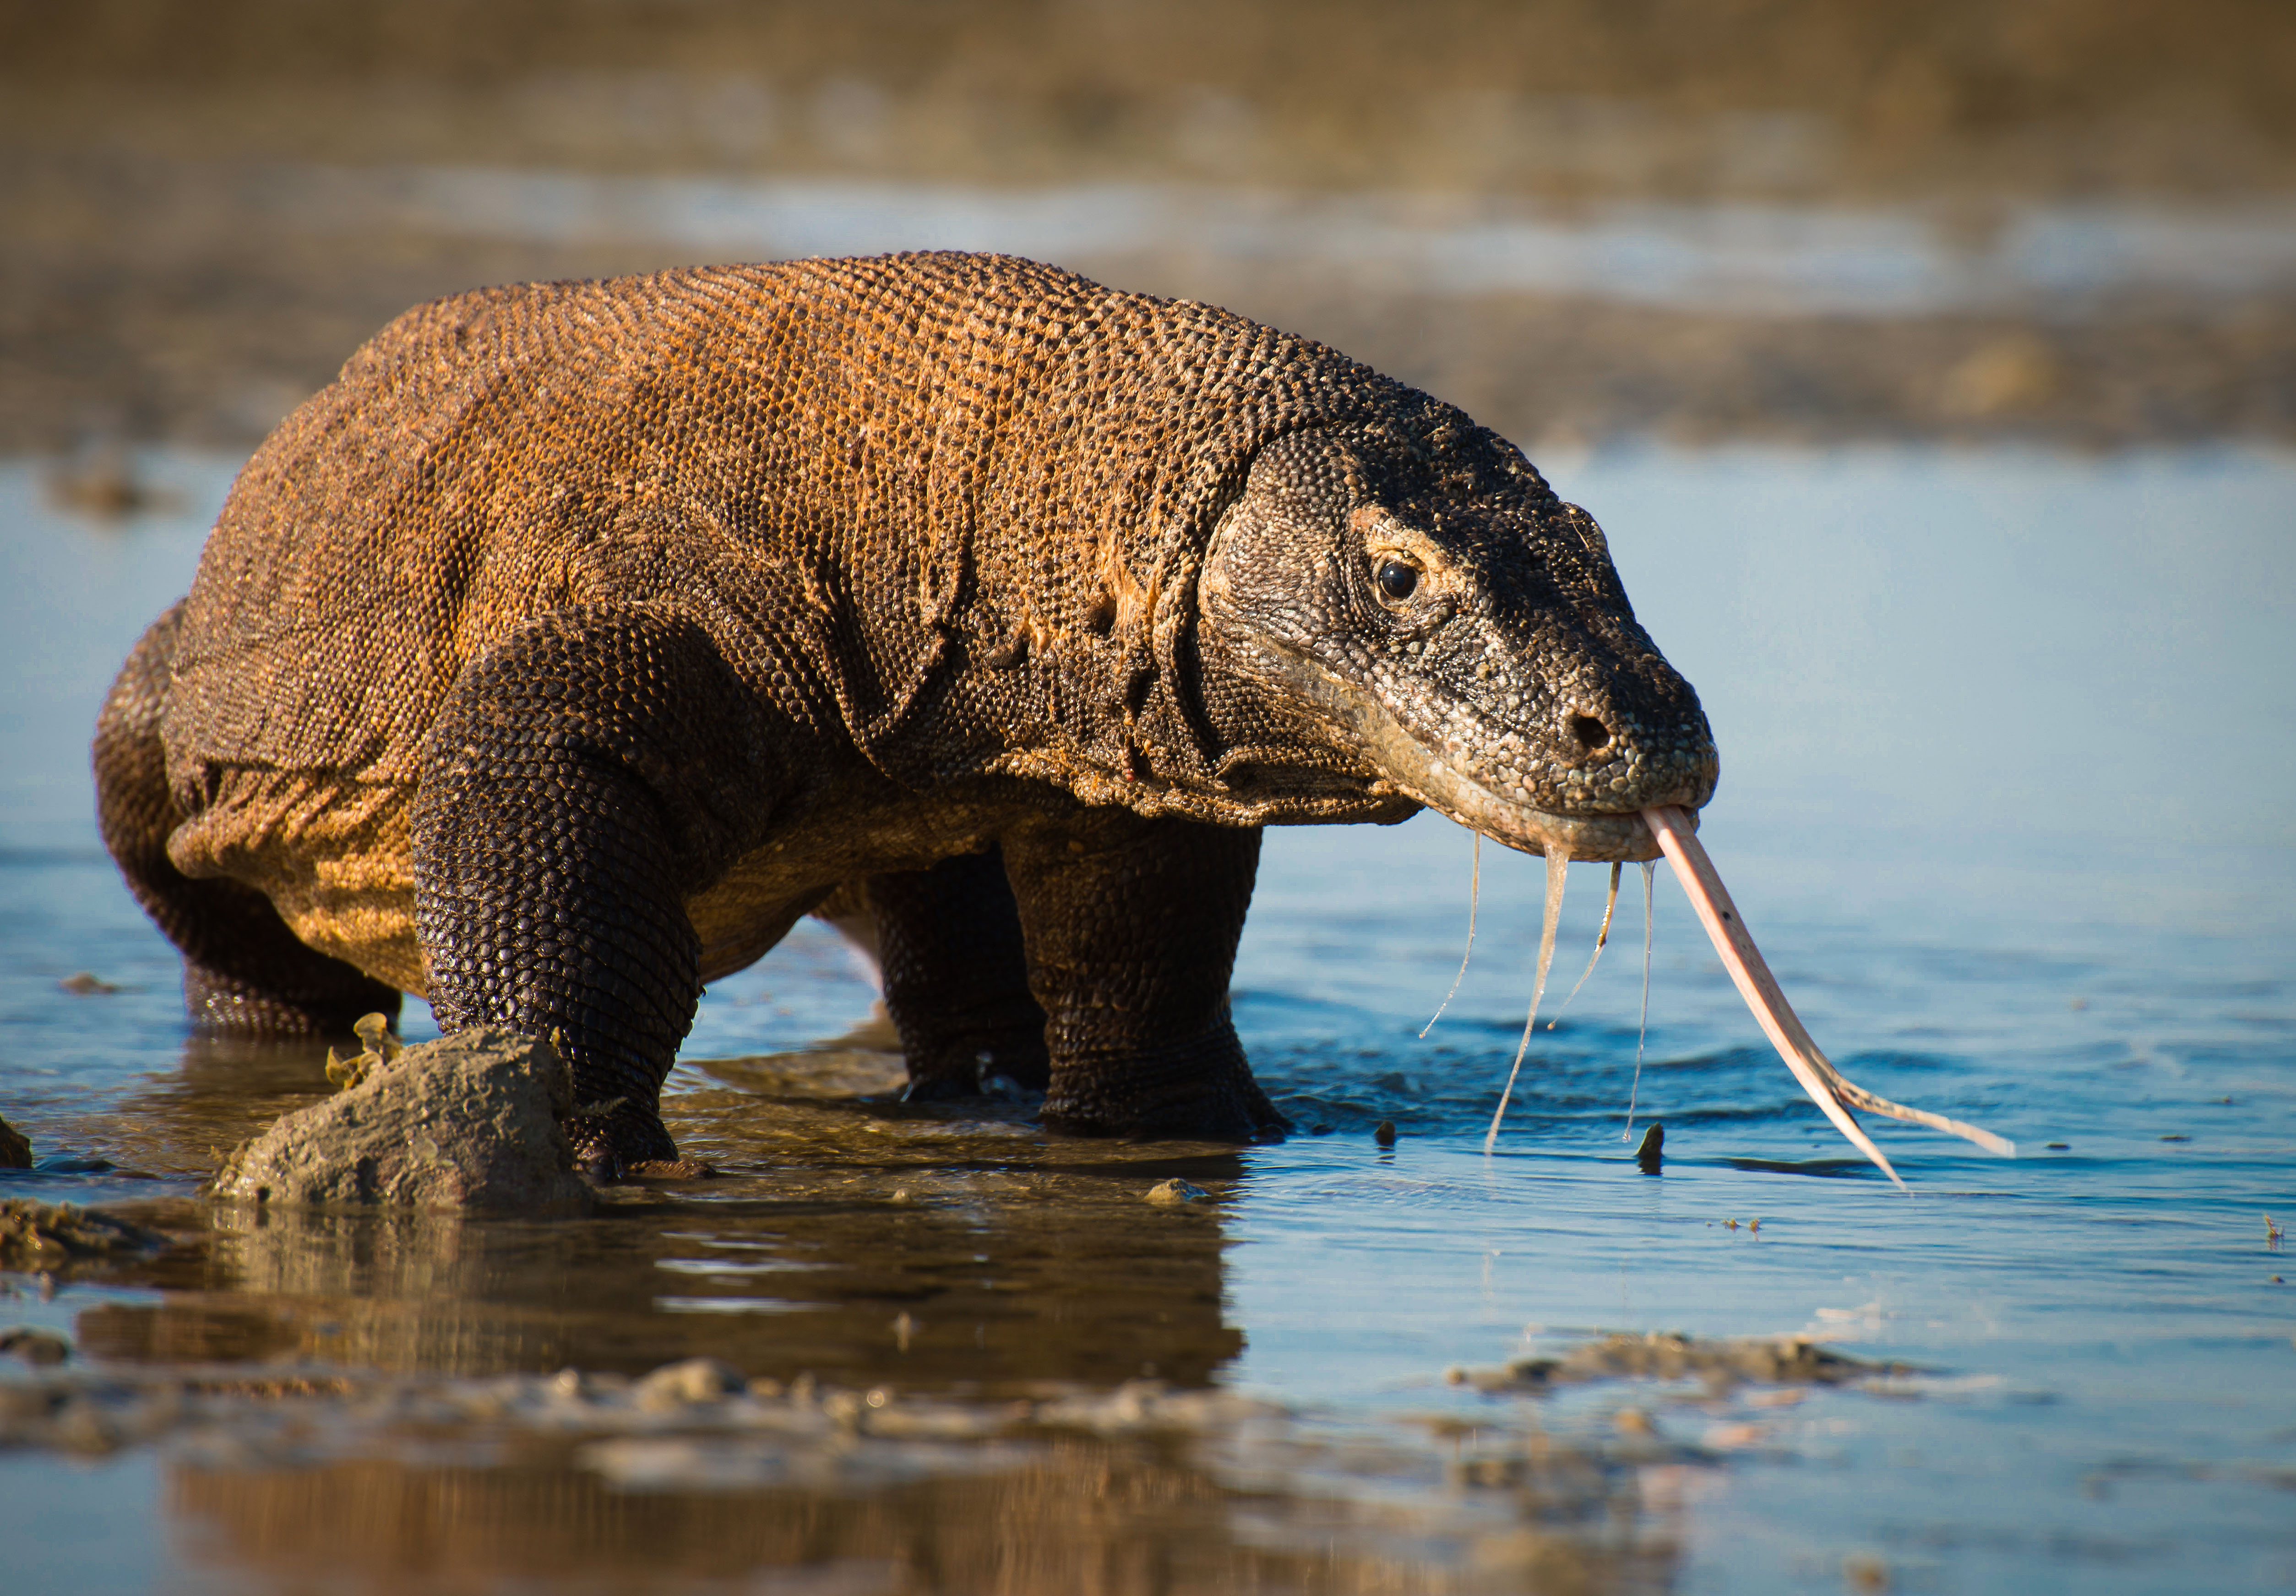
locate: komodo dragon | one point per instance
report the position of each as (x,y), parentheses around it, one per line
(581,636)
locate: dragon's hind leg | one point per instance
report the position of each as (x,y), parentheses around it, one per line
(243,970)
(957,977)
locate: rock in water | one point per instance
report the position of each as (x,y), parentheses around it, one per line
(15,1149)
(1177,1190)
(675,1385)
(472,1121)
(1651,1153)
(47,1235)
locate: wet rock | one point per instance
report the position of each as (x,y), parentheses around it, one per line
(1651,1155)
(675,1385)
(73,1164)
(15,1147)
(36,1347)
(1144,1407)
(45,1235)
(1384,1134)
(1781,1360)
(1177,1190)
(471,1121)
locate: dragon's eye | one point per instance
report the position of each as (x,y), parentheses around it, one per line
(1398,580)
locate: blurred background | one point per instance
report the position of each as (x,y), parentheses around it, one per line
(2066,221)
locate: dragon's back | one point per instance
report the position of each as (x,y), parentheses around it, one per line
(402,520)
(886,468)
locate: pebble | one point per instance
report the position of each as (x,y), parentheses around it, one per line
(681,1385)
(1177,1190)
(42,1235)
(1721,1364)
(40,1348)
(1863,1572)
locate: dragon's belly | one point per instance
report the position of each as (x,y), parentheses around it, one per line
(335,858)
(752,905)
(332,856)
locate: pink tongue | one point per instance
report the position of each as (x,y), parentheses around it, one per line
(1828,1086)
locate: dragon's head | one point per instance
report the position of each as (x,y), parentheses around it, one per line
(1472,650)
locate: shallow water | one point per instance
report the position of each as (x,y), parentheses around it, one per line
(2006,744)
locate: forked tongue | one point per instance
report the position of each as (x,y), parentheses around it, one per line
(1828,1086)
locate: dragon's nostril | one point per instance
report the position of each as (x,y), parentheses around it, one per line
(1591,733)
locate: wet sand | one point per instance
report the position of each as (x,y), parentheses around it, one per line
(145,300)
(154,284)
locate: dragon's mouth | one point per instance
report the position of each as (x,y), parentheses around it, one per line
(1415,768)
(1599,836)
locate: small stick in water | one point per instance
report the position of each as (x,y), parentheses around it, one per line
(1558,866)
(1610,907)
(1642,1031)
(1474,892)
(1827,1087)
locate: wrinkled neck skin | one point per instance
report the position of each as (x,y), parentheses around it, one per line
(1473,653)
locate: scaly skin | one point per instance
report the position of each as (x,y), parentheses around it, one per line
(582,636)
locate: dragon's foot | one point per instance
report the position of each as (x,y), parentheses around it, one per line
(1203,1090)
(998,1067)
(618,1141)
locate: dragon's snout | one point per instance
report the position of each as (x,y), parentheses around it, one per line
(1595,756)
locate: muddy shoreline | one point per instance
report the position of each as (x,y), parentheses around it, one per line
(151,292)
(148,300)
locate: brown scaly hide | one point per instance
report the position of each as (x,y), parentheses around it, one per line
(942,513)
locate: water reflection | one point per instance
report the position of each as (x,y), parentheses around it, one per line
(855,1238)
(866,1244)
(1061,1518)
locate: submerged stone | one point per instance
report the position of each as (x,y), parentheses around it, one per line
(15,1147)
(1769,1360)
(45,1235)
(471,1121)
(35,1346)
